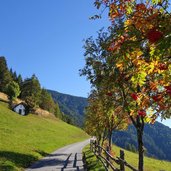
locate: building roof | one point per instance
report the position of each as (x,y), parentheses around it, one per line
(22,103)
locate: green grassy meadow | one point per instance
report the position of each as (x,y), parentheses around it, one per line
(150,164)
(25,139)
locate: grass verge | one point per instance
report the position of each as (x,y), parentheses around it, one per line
(92,163)
(150,164)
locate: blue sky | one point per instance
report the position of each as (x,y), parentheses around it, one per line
(45,37)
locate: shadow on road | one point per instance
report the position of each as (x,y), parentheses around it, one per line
(59,161)
(50,160)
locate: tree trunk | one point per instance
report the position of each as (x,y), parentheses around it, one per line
(110,140)
(10,103)
(104,137)
(140,150)
(99,139)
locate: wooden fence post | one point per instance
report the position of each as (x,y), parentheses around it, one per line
(95,143)
(122,166)
(91,145)
(107,156)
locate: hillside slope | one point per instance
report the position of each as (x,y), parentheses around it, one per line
(157,140)
(71,105)
(25,139)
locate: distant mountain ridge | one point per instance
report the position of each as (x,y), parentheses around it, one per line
(157,140)
(157,137)
(72,106)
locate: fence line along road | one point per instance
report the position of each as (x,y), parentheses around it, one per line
(108,160)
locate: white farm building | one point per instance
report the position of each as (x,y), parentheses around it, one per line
(20,109)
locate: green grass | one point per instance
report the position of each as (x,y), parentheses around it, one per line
(25,139)
(93,164)
(150,164)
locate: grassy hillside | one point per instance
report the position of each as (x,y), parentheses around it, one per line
(25,139)
(132,158)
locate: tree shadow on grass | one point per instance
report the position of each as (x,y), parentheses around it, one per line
(89,154)
(6,168)
(92,162)
(18,160)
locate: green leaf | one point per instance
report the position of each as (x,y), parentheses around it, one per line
(156,1)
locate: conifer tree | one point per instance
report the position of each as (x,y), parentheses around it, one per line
(31,92)
(57,111)
(5,76)
(46,101)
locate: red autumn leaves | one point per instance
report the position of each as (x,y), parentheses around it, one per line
(162,66)
(109,94)
(141,112)
(159,97)
(154,35)
(134,96)
(168,90)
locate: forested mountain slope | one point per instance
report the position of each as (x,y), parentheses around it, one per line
(157,140)
(72,106)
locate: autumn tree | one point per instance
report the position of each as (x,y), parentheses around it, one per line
(137,54)
(103,117)
(94,121)
(106,96)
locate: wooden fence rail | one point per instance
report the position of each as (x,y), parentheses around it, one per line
(108,160)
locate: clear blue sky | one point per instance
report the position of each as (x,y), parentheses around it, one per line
(45,37)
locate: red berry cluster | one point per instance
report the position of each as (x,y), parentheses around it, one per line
(134,96)
(142,113)
(162,66)
(168,90)
(154,35)
(109,94)
(157,98)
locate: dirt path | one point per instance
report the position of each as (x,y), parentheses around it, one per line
(68,158)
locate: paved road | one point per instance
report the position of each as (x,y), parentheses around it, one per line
(68,158)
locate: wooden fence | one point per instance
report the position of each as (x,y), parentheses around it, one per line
(108,160)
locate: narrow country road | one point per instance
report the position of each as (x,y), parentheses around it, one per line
(68,158)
